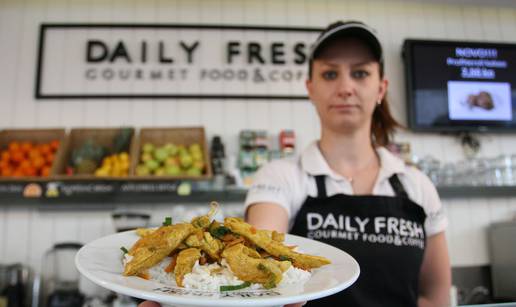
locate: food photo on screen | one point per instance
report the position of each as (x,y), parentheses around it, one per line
(483,100)
(471,100)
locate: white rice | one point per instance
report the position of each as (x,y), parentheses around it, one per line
(294,276)
(210,277)
(158,273)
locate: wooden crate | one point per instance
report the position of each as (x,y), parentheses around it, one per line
(179,136)
(77,137)
(35,136)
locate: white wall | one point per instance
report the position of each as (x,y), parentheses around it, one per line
(26,233)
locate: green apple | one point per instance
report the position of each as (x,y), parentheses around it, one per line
(171,149)
(173,170)
(194,172)
(148,147)
(195,148)
(161,154)
(146,156)
(152,165)
(160,171)
(199,164)
(197,155)
(185,160)
(181,150)
(172,161)
(142,170)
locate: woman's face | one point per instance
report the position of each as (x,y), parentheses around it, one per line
(345,85)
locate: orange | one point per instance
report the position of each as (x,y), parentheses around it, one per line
(38,162)
(26,146)
(18,173)
(17,157)
(5,156)
(14,146)
(6,172)
(50,158)
(45,171)
(45,149)
(4,164)
(34,153)
(25,164)
(30,171)
(54,145)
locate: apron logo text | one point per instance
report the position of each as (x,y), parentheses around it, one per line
(378,230)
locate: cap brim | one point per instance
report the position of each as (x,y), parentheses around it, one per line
(357,30)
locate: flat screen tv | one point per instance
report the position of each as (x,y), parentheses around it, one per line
(460,86)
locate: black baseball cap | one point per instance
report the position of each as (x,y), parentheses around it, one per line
(355,29)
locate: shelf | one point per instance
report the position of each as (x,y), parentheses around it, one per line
(476,191)
(108,193)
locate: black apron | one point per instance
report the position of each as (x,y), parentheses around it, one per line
(384,234)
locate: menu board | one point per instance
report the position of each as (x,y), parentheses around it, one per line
(460,85)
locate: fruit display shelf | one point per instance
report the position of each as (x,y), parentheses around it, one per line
(30,152)
(99,194)
(107,193)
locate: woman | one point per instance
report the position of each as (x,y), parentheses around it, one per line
(349,191)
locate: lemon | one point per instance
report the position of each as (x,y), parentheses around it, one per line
(124,156)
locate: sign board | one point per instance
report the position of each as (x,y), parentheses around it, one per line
(77,61)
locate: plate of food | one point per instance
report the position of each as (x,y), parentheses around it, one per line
(210,263)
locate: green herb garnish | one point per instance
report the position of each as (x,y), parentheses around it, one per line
(168,221)
(270,283)
(284,258)
(124,250)
(219,232)
(235,287)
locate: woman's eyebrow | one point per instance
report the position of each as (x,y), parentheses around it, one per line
(332,64)
(364,63)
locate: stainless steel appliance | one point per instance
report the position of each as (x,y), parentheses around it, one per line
(15,285)
(502,243)
(60,278)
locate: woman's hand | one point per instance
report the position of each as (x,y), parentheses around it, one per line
(149,304)
(295,305)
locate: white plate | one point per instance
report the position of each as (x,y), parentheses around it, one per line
(100,261)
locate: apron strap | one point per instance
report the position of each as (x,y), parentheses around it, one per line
(396,185)
(395,182)
(321,186)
